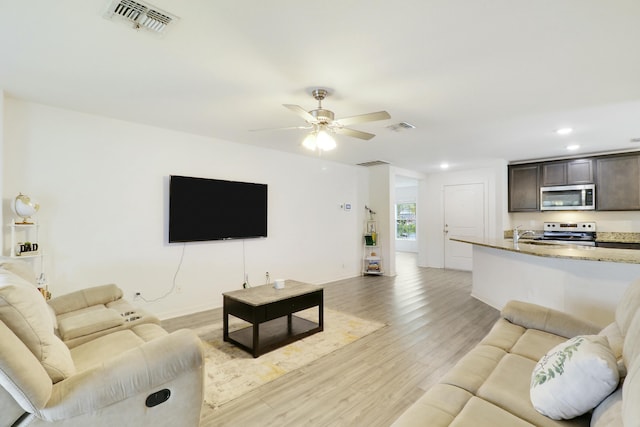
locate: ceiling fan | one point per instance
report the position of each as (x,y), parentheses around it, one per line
(322,123)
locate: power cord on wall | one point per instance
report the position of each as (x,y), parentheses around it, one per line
(246,284)
(174,284)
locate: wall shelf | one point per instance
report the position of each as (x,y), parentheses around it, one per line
(24,234)
(371,259)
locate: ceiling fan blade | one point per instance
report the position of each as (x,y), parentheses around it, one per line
(285,128)
(354,133)
(370,117)
(301,112)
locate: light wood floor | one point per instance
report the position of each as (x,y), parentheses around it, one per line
(432,321)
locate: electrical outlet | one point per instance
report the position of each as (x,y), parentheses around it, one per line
(137,296)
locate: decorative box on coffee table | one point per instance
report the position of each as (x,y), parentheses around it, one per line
(270,312)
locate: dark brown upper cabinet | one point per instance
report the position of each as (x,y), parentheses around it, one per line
(524,188)
(567,172)
(616,176)
(618,183)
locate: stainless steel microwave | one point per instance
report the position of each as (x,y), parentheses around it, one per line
(568,198)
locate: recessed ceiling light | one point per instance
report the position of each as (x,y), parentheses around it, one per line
(573,147)
(564,131)
(444,165)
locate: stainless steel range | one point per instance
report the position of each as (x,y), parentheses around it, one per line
(574,233)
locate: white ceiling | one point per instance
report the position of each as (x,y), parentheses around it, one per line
(480,80)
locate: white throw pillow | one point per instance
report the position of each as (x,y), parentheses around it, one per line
(574,377)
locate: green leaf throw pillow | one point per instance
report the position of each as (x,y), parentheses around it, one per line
(574,377)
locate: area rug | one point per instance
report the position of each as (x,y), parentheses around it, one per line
(232,372)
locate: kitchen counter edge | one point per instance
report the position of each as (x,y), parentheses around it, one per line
(587,253)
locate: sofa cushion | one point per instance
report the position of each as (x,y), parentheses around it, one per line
(474,368)
(508,388)
(574,377)
(615,338)
(22,376)
(616,342)
(534,344)
(25,312)
(631,396)
(148,331)
(96,295)
(631,347)
(628,306)
(504,335)
(85,322)
(609,412)
(480,413)
(446,405)
(96,351)
(533,316)
(440,405)
(106,347)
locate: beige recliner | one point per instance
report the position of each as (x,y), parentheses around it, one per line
(131,375)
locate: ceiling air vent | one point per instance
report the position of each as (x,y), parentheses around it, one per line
(373,163)
(401,126)
(140,15)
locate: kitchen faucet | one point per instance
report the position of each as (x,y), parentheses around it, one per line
(517,235)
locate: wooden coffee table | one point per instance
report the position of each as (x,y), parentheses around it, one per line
(270,312)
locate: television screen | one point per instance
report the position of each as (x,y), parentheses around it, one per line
(210,209)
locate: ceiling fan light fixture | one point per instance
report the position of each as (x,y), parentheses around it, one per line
(325,141)
(309,142)
(320,139)
(324,125)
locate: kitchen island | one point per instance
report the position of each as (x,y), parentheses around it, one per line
(583,280)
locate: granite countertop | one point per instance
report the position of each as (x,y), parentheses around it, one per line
(617,237)
(588,253)
(601,236)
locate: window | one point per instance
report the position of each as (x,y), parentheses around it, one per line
(406,221)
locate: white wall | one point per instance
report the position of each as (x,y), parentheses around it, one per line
(431,240)
(103,188)
(2,228)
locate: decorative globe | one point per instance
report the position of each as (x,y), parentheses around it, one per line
(25,207)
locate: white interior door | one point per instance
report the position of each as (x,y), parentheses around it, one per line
(464,216)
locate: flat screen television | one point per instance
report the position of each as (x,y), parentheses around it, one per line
(202,209)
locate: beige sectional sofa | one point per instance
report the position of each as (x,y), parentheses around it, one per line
(117,366)
(90,313)
(490,386)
